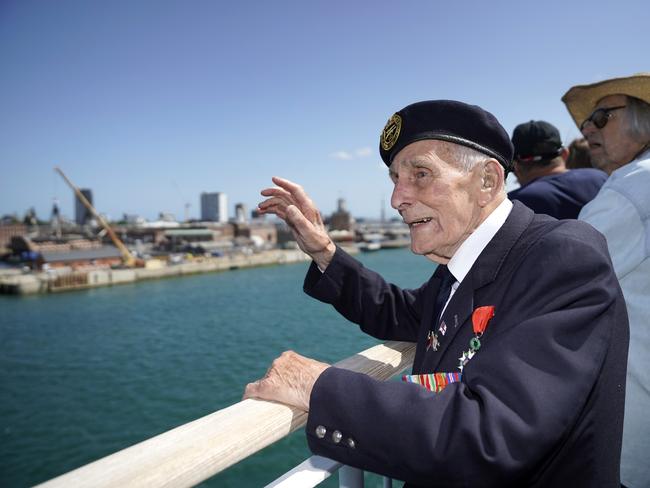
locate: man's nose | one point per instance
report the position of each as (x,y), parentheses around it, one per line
(588,128)
(400,197)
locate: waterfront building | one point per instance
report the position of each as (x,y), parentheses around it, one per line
(82,215)
(257,215)
(214,207)
(104,256)
(240,213)
(71,250)
(284,236)
(177,239)
(261,234)
(341,219)
(7,231)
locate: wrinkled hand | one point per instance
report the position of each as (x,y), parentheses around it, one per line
(289,380)
(290,202)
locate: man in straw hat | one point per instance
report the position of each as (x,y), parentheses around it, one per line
(614,117)
(521,332)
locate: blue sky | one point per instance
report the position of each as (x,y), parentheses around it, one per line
(150,103)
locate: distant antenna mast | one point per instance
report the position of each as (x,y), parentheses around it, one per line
(187,211)
(187,204)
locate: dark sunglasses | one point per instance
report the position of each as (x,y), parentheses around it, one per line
(600,117)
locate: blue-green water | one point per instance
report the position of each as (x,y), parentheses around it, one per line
(85,374)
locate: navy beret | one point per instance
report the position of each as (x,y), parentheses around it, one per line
(446,120)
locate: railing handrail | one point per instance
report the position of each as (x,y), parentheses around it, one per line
(198,450)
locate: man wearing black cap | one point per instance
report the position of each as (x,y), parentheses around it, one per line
(547,186)
(519,372)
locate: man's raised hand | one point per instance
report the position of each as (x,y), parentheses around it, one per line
(289,201)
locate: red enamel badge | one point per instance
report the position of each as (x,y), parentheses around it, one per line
(480,318)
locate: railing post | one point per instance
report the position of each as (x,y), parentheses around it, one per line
(350,477)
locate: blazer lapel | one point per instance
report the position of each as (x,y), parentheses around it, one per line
(483,272)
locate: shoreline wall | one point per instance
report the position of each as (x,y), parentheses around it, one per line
(44,282)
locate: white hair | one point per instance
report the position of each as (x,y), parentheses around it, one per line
(638,117)
(463,157)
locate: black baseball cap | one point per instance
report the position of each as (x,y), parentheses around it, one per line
(446,120)
(535,141)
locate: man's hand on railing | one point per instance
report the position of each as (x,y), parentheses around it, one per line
(289,380)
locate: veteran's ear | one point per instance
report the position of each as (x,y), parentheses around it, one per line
(492,181)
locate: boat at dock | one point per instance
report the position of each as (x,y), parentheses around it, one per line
(369,246)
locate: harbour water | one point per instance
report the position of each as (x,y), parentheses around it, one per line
(87,373)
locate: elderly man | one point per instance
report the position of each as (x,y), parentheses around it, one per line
(614,116)
(521,331)
(547,186)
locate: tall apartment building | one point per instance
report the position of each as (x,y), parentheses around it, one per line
(81,213)
(214,207)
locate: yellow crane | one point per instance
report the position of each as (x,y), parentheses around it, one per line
(127,257)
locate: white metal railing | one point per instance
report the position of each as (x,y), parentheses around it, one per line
(307,474)
(317,469)
(198,450)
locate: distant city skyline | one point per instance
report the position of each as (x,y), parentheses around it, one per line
(151,103)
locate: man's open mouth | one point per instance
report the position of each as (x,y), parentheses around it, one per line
(594,144)
(415,223)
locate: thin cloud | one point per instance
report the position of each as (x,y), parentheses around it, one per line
(341,155)
(362,152)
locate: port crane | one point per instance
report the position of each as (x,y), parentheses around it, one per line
(128,258)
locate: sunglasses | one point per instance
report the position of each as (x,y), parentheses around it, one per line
(600,117)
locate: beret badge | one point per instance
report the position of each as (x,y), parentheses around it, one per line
(391,131)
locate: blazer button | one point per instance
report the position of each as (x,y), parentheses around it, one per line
(337,436)
(321,431)
(351,443)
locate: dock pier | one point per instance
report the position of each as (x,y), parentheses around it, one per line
(17,283)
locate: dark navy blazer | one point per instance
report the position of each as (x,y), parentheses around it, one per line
(539,405)
(561,195)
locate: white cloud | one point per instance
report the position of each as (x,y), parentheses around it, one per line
(342,155)
(362,152)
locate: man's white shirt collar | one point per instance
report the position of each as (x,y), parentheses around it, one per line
(468,252)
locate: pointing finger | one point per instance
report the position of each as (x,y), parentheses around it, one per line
(275,210)
(276,192)
(273,201)
(295,190)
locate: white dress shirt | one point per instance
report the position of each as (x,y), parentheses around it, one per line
(468,252)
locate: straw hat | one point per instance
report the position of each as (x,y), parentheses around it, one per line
(581,99)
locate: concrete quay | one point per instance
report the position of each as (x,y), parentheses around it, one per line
(50,282)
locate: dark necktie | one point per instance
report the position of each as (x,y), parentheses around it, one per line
(446,280)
